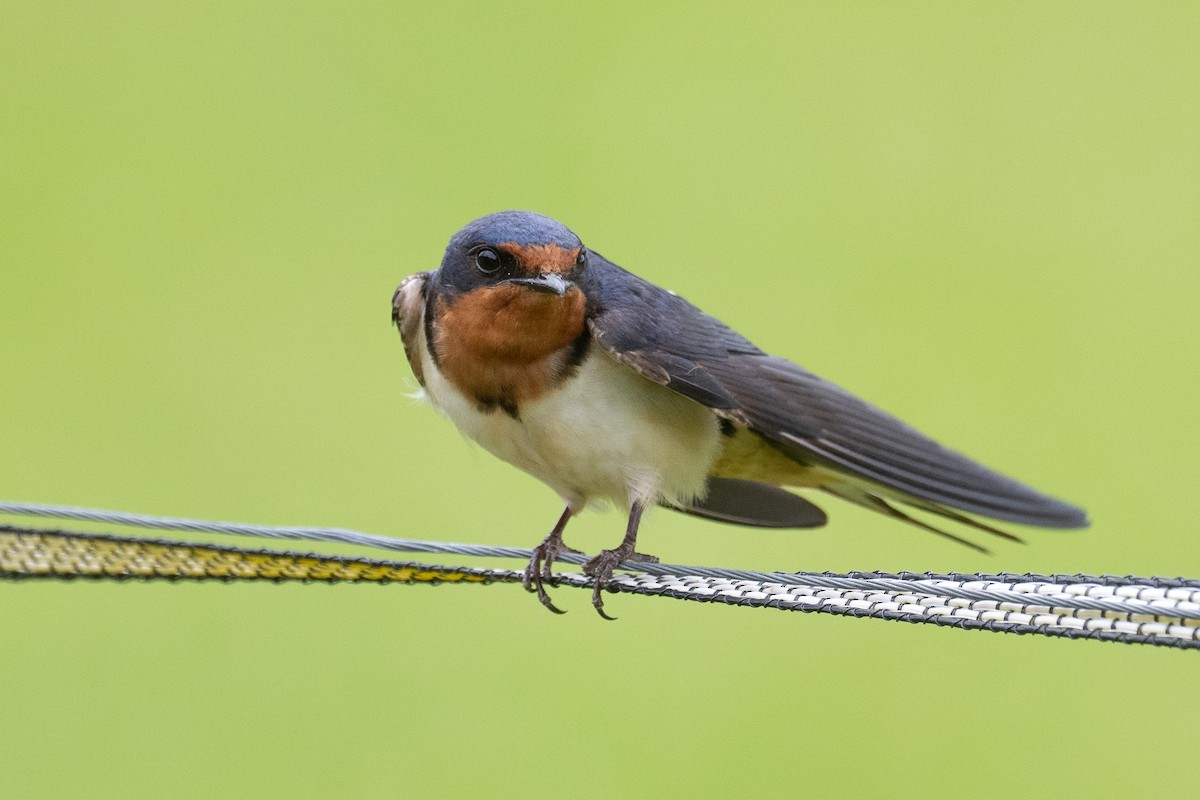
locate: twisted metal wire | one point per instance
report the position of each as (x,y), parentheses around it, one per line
(1162,609)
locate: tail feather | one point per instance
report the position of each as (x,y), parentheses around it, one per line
(951,514)
(753,504)
(874,502)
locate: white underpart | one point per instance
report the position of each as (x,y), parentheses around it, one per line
(606,434)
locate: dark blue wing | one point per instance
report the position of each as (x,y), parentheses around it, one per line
(814,422)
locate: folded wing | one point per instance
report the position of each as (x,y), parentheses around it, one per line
(408,315)
(810,420)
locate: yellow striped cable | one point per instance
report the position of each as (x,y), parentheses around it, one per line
(30,553)
(1160,612)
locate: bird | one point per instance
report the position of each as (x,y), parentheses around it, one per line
(612,390)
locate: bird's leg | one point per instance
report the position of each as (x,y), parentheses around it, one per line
(538,569)
(601,567)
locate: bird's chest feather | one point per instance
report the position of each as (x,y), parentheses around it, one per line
(505,346)
(604,432)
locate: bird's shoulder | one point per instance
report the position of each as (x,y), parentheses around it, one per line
(408,315)
(661,335)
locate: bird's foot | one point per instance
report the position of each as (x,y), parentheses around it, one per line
(600,569)
(537,571)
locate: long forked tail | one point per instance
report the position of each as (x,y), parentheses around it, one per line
(874,502)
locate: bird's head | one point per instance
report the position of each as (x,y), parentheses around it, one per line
(516,252)
(508,290)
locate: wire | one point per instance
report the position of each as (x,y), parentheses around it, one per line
(1161,611)
(31,553)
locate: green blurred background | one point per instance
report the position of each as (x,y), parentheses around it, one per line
(984,218)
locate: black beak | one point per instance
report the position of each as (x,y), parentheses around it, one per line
(551,282)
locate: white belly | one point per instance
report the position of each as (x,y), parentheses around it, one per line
(607,434)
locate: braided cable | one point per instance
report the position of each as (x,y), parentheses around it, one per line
(1128,606)
(31,553)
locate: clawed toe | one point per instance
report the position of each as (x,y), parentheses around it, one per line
(600,569)
(549,560)
(538,570)
(533,580)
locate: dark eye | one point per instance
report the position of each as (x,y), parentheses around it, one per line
(487,261)
(581,259)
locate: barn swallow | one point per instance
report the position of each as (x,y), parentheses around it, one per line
(608,388)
